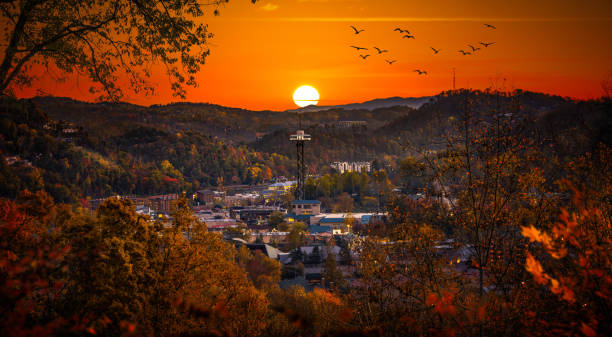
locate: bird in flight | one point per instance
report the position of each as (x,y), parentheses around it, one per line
(359,48)
(490,26)
(401,30)
(364,56)
(486,45)
(408,36)
(421,72)
(435,50)
(465,52)
(391,61)
(357,31)
(380,51)
(473,48)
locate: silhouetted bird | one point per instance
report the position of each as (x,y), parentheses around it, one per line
(486,45)
(490,26)
(473,48)
(421,72)
(391,61)
(401,30)
(364,56)
(357,31)
(359,48)
(380,51)
(408,37)
(435,50)
(465,52)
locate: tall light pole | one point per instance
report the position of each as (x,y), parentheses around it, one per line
(299,138)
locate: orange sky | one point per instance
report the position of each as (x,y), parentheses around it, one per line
(261,53)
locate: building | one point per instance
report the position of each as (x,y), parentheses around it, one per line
(218,225)
(341,223)
(241,199)
(162,203)
(356,166)
(351,124)
(253,213)
(209,196)
(283,186)
(306,207)
(265,249)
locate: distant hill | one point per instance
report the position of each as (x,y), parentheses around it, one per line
(233,125)
(76,149)
(412,102)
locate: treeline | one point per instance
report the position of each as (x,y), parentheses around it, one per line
(230,124)
(350,191)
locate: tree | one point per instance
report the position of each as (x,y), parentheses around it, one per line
(275,219)
(104,40)
(344,203)
(331,273)
(109,275)
(263,271)
(296,236)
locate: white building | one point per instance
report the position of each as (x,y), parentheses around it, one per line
(354,166)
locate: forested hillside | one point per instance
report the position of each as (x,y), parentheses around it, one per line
(74,149)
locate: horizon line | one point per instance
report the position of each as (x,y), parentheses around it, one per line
(327,101)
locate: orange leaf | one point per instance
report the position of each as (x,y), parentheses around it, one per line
(535,268)
(587,330)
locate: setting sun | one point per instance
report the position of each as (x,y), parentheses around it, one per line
(306,95)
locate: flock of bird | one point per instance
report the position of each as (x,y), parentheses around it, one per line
(407,35)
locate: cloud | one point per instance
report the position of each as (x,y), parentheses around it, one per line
(432,19)
(269,7)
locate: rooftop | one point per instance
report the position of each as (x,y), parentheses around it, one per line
(306,202)
(319,229)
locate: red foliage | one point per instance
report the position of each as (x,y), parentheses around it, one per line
(26,266)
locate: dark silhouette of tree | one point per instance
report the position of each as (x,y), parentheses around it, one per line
(105,40)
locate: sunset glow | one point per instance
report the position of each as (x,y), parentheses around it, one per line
(260,51)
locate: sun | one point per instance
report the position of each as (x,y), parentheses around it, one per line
(306,95)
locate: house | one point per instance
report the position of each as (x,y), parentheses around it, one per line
(266,249)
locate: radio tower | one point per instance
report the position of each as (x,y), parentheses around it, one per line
(299,138)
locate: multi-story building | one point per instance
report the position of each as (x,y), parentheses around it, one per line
(162,203)
(355,166)
(306,207)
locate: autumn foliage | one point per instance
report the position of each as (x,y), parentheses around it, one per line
(508,238)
